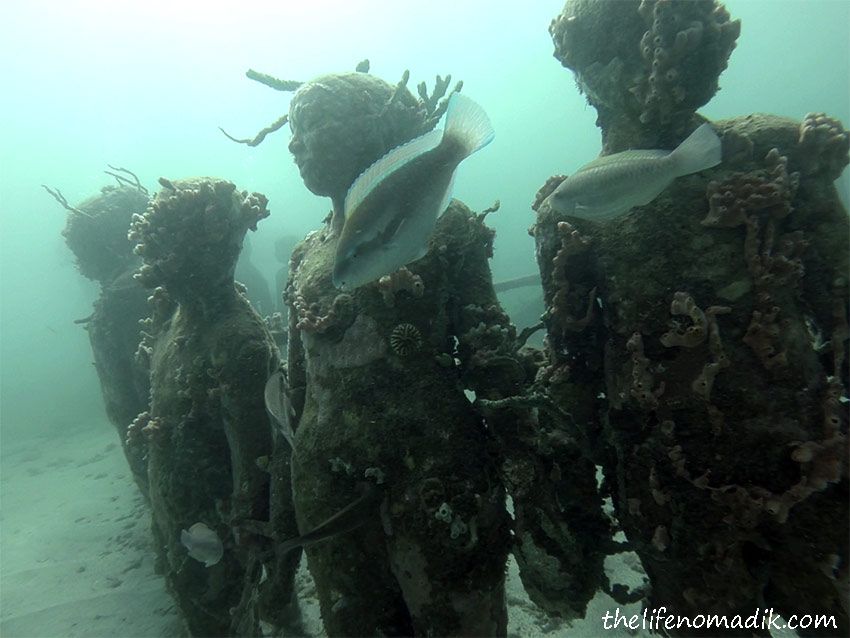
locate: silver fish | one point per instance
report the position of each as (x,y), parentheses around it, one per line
(203,544)
(610,186)
(279,406)
(392,208)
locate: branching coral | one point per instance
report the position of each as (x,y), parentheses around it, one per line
(824,145)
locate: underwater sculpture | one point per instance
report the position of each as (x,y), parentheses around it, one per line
(378,396)
(377,378)
(710,374)
(206,435)
(96,232)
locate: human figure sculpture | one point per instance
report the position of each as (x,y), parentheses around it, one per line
(709,372)
(379,396)
(206,435)
(96,232)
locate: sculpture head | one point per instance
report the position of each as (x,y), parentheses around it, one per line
(342,123)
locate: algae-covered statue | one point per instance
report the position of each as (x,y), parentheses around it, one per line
(206,435)
(701,338)
(382,419)
(96,232)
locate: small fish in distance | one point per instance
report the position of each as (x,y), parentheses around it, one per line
(392,208)
(279,406)
(203,544)
(611,185)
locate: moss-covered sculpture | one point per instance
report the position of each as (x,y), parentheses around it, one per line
(709,378)
(206,436)
(645,65)
(377,403)
(96,232)
(377,379)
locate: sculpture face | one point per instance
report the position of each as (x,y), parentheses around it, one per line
(318,134)
(342,123)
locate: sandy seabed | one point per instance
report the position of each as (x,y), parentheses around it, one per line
(76,556)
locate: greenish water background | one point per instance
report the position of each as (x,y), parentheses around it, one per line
(145,85)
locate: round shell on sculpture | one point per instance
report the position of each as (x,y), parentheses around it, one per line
(405,339)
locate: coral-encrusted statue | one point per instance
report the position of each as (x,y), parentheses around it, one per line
(379,397)
(206,435)
(96,231)
(712,374)
(645,65)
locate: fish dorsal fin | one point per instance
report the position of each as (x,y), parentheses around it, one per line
(624,156)
(388,164)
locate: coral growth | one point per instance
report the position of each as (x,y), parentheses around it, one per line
(685,49)
(759,200)
(739,196)
(684,305)
(703,384)
(310,317)
(401,280)
(547,189)
(645,66)
(405,339)
(824,144)
(572,243)
(642,378)
(194,225)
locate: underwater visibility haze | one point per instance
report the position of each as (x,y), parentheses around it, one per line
(445,318)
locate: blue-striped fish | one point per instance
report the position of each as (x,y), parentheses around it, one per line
(392,208)
(611,185)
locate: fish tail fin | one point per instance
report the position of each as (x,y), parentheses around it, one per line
(700,150)
(468,124)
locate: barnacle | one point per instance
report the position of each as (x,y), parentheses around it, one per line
(405,339)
